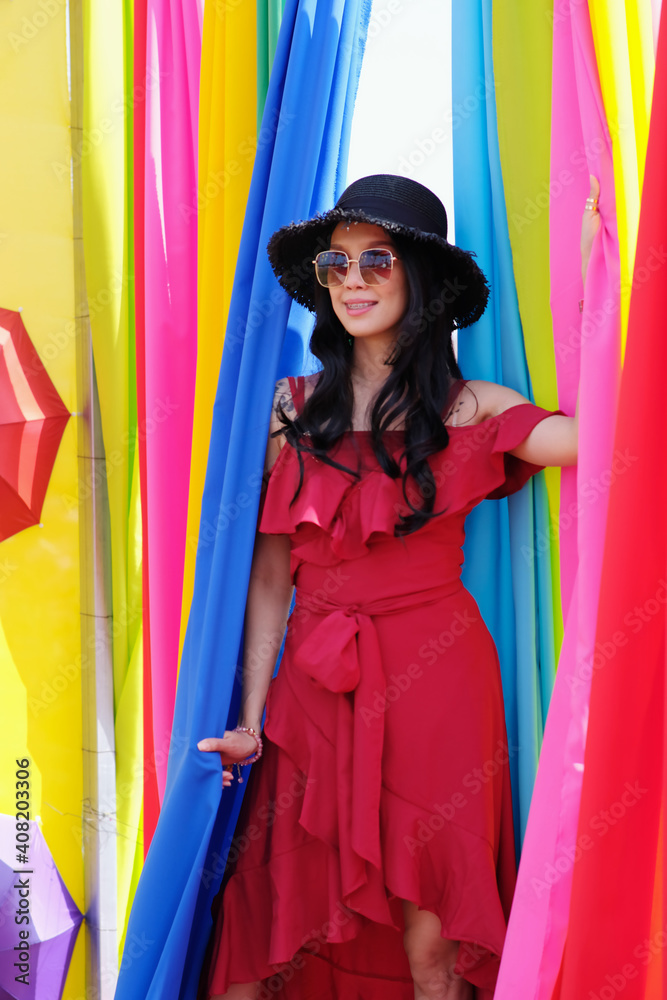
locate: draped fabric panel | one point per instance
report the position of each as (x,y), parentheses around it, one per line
(519,617)
(321,42)
(107,237)
(204,131)
(151,799)
(269,16)
(173,46)
(40,587)
(588,351)
(227,145)
(623,36)
(623,791)
(522,43)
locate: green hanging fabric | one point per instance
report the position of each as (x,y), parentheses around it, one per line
(269,17)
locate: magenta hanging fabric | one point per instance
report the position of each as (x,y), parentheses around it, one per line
(588,352)
(173,52)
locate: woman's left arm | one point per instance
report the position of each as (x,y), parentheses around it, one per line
(554,441)
(551,442)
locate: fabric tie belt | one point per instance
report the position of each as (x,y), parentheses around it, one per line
(342,653)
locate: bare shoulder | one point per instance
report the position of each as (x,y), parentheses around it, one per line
(552,441)
(493,399)
(469,406)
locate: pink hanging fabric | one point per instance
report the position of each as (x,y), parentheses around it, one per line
(173,51)
(587,353)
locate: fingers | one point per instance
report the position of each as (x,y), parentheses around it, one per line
(591,207)
(232,746)
(213,744)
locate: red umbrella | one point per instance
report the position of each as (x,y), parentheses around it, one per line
(32,422)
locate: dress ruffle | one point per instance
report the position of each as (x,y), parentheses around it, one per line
(425,858)
(335,515)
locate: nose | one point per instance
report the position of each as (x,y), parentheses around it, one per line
(353,277)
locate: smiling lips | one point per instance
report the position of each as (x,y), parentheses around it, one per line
(357,306)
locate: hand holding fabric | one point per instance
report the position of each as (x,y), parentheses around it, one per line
(232,747)
(590,226)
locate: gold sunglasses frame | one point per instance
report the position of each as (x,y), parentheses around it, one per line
(351,260)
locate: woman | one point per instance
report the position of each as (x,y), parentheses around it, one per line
(376,855)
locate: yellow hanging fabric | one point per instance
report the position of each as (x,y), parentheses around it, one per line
(623,37)
(40,632)
(227,143)
(522,42)
(107,239)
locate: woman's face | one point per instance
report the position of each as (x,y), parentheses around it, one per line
(367,310)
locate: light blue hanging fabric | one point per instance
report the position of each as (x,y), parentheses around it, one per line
(301,170)
(505,568)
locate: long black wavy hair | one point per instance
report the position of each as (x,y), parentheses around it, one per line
(422,370)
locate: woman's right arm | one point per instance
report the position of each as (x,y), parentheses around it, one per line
(267,607)
(269,597)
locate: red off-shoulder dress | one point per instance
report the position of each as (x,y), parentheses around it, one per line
(386,652)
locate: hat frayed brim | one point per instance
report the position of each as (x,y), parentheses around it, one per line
(292,249)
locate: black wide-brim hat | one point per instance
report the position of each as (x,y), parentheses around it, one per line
(400,206)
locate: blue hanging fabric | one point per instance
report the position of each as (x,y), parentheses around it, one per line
(505,569)
(299,171)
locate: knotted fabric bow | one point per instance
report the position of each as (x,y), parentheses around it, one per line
(342,653)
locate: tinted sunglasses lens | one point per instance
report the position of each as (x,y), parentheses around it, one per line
(375,266)
(331,268)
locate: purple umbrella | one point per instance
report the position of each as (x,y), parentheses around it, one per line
(39,920)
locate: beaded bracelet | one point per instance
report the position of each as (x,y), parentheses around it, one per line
(249,760)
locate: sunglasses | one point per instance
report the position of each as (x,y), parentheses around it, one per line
(332,266)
